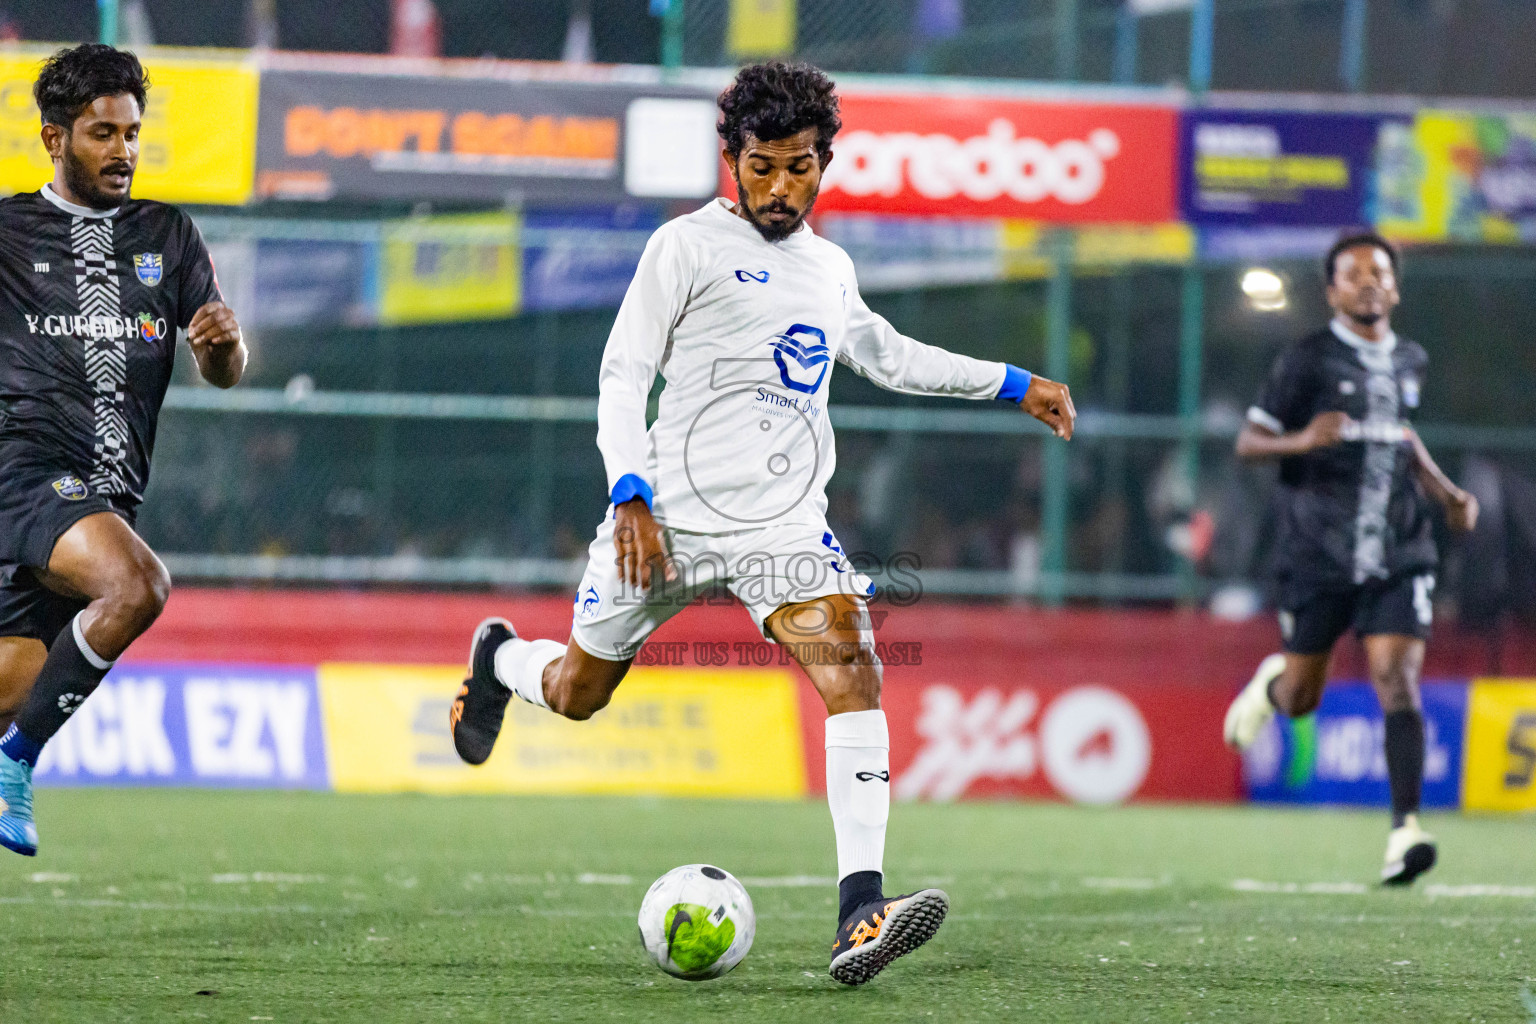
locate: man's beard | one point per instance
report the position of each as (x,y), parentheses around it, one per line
(83,184)
(771,231)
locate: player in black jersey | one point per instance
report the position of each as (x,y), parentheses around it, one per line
(1356,546)
(93,289)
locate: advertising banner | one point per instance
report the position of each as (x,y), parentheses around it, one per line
(1461,177)
(325,134)
(458,267)
(760,28)
(969,156)
(305,282)
(1501,746)
(671,731)
(193,725)
(583,259)
(1025,253)
(197,144)
(1335,756)
(1263,167)
(1087,743)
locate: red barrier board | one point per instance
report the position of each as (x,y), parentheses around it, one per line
(1144,646)
(956,733)
(974,156)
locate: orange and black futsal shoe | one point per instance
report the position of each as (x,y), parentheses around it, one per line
(879,932)
(476,716)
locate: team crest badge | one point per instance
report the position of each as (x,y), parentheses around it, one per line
(802,356)
(70,488)
(148,266)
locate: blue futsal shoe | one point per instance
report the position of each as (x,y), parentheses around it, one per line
(17,829)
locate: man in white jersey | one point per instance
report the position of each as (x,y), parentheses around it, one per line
(743,309)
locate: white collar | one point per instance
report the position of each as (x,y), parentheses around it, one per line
(727,208)
(1361,344)
(75,209)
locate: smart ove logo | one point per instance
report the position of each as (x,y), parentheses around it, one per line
(802,356)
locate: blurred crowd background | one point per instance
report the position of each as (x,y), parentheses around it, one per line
(1148,504)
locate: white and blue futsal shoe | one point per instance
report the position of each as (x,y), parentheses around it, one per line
(17,829)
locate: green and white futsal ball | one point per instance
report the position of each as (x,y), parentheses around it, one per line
(697,922)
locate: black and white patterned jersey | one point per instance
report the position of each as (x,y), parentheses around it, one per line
(1355,512)
(90,305)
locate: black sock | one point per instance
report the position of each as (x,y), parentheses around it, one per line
(68,677)
(857,889)
(1405,762)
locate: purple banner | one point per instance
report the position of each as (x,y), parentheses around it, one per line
(194,725)
(1251,167)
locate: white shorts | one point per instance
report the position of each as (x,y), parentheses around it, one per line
(764,568)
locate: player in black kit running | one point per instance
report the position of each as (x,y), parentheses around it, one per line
(94,287)
(1356,546)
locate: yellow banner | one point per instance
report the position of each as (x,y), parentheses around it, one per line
(456,267)
(761,28)
(1500,769)
(678,732)
(198,143)
(1024,256)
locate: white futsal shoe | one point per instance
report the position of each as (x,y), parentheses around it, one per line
(1410,853)
(1251,711)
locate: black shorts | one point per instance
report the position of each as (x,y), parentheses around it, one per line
(40,498)
(27,608)
(1312,622)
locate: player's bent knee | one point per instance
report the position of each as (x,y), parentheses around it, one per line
(852,689)
(139,594)
(1396,692)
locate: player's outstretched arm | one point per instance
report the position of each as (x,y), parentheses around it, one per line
(1460,506)
(1051,404)
(1257,442)
(214,335)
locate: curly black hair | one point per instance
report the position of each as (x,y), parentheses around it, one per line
(776,100)
(1349,241)
(73,79)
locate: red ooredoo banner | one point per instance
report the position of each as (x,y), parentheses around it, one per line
(966,156)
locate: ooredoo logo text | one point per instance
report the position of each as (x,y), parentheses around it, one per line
(979,156)
(981,167)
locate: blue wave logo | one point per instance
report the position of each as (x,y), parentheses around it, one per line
(589,602)
(761,277)
(802,357)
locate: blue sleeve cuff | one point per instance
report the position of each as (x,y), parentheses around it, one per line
(1015,383)
(630,487)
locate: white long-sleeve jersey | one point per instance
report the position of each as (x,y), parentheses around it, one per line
(744,333)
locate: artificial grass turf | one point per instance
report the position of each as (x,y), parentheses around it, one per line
(310,907)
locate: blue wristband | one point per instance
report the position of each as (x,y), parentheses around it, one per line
(630,487)
(1015,383)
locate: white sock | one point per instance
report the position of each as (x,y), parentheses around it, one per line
(520,667)
(96,660)
(859,788)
